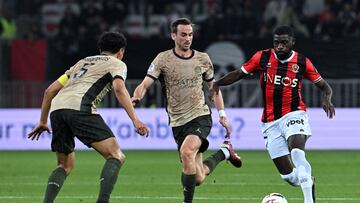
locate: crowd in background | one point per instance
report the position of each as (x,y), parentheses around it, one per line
(71,21)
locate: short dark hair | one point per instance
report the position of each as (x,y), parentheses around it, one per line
(180,21)
(284,30)
(111,42)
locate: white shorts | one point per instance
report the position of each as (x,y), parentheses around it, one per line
(276,133)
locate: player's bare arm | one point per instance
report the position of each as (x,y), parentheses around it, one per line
(42,126)
(124,99)
(326,98)
(219,104)
(141,89)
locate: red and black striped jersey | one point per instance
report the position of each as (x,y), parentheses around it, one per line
(281,81)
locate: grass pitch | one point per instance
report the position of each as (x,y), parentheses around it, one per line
(154,177)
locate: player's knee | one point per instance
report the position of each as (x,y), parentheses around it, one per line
(186,155)
(67,168)
(118,155)
(291,178)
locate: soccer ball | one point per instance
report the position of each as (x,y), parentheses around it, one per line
(274,198)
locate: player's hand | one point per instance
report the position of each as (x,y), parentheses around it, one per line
(141,128)
(214,90)
(36,132)
(135,100)
(329,108)
(226,125)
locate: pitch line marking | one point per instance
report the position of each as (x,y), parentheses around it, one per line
(335,199)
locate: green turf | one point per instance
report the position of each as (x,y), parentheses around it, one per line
(154,176)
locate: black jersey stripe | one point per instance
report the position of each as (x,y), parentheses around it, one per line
(93,91)
(295,99)
(264,60)
(278,90)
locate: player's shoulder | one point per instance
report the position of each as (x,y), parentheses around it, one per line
(201,55)
(264,51)
(165,53)
(298,54)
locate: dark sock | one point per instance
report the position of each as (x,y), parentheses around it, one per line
(55,181)
(213,160)
(188,182)
(108,179)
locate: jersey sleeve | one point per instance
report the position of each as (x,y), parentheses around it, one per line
(311,73)
(209,71)
(154,69)
(71,69)
(253,64)
(118,70)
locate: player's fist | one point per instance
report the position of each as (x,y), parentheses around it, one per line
(135,100)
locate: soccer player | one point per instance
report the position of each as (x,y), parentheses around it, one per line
(182,71)
(72,102)
(285,124)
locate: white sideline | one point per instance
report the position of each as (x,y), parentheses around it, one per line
(335,199)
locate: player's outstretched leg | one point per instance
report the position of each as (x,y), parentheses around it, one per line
(303,169)
(226,152)
(233,157)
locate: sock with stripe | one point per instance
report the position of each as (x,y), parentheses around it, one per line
(55,182)
(108,179)
(303,170)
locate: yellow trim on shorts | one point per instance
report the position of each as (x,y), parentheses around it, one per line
(63,79)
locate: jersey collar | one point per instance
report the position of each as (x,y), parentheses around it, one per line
(192,54)
(286,60)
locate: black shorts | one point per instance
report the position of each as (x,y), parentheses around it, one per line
(67,124)
(199,126)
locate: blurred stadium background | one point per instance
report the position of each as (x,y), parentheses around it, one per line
(40,39)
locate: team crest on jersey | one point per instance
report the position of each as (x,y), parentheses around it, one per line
(197,69)
(151,67)
(295,68)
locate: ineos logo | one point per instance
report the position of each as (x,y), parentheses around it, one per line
(292,122)
(278,80)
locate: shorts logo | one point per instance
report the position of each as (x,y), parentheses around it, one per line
(293,122)
(198,130)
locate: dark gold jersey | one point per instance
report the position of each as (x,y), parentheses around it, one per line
(183,81)
(89,80)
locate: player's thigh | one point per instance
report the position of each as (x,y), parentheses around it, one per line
(275,141)
(90,128)
(199,126)
(62,136)
(109,148)
(191,144)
